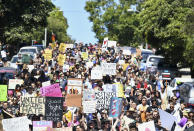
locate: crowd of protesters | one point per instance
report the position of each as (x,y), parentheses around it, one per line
(144,92)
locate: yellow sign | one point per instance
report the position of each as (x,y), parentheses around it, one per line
(61,59)
(119,89)
(48,54)
(84,55)
(53,45)
(62,47)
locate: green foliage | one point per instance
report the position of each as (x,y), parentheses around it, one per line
(112,20)
(19,17)
(161,23)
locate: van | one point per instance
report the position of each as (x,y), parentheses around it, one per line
(29,49)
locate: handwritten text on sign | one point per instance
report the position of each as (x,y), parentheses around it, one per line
(52,90)
(54,109)
(108,68)
(32,105)
(16,124)
(75,82)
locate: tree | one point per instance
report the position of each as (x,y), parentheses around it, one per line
(161,23)
(111,19)
(19,17)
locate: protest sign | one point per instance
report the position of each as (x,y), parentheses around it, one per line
(30,68)
(109,88)
(62,47)
(61,59)
(47,83)
(84,55)
(89,64)
(54,108)
(32,105)
(115,107)
(121,62)
(108,68)
(73,100)
(48,54)
(42,124)
(167,120)
(14,82)
(96,74)
(89,106)
(119,89)
(103,99)
(52,90)
(74,90)
(112,43)
(88,95)
(69,46)
(16,124)
(3,92)
(147,126)
(60,129)
(74,82)
(105,42)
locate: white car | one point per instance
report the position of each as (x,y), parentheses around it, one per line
(153,60)
(13,61)
(29,50)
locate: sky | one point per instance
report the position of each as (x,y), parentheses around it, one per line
(80,28)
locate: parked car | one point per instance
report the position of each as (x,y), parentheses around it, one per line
(145,54)
(187,94)
(174,84)
(26,58)
(29,49)
(6,73)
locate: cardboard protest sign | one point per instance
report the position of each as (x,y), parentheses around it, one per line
(62,47)
(3,92)
(74,92)
(73,100)
(89,106)
(147,126)
(52,90)
(61,59)
(112,43)
(14,82)
(88,95)
(115,107)
(54,108)
(108,68)
(16,124)
(32,105)
(47,83)
(96,74)
(48,54)
(103,99)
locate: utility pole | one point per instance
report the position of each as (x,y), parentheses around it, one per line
(45,37)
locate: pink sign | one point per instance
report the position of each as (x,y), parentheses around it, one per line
(42,124)
(52,91)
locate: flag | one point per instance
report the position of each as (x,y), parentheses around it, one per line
(105,42)
(53,37)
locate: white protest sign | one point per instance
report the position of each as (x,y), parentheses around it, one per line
(112,43)
(16,124)
(96,74)
(147,126)
(14,82)
(109,88)
(167,120)
(74,82)
(89,106)
(69,45)
(65,68)
(126,52)
(30,67)
(108,68)
(121,62)
(47,83)
(89,64)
